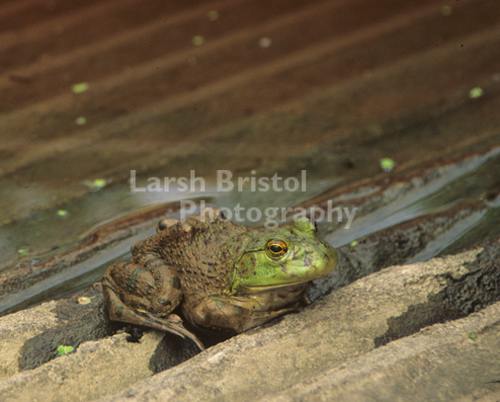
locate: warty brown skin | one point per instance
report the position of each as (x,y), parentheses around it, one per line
(192,263)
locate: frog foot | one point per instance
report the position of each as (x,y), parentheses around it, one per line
(171,323)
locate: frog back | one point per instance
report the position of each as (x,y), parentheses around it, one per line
(204,252)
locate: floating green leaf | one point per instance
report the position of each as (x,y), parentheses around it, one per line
(23,250)
(80,87)
(80,121)
(476,92)
(100,183)
(387,164)
(213,15)
(446,11)
(198,40)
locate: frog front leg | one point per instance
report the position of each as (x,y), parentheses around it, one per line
(144,291)
(230,313)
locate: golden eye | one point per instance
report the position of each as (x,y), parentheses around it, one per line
(276,248)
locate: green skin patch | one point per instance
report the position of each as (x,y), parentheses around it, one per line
(305,258)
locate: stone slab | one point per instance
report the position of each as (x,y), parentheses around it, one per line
(377,330)
(345,325)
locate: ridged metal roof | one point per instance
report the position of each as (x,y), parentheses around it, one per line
(327,86)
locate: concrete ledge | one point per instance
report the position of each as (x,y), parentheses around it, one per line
(108,364)
(339,329)
(16,329)
(439,363)
(30,337)
(333,347)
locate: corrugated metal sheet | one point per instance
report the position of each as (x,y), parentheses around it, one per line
(327,86)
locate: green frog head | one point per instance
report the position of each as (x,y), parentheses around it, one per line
(281,257)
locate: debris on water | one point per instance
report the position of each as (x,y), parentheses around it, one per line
(100,183)
(197,40)
(476,92)
(446,10)
(80,87)
(264,42)
(213,15)
(80,121)
(23,250)
(387,164)
(96,184)
(62,213)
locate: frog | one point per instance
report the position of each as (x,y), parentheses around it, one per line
(218,274)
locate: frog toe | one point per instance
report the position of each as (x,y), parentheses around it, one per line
(173,324)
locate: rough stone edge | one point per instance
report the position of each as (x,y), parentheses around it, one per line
(386,373)
(94,369)
(399,287)
(16,329)
(176,383)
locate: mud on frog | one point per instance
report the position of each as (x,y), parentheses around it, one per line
(221,274)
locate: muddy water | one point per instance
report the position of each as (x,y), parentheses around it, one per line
(475,179)
(100,227)
(369,81)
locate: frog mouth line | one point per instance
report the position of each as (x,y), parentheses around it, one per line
(269,287)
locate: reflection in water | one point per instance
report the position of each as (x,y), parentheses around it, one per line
(471,179)
(80,224)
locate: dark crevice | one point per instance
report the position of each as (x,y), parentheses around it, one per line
(92,325)
(460,297)
(171,351)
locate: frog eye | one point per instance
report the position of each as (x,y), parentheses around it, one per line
(276,248)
